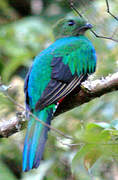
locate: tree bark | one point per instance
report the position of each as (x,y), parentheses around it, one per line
(89,91)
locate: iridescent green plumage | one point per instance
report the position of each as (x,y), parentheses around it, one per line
(56,72)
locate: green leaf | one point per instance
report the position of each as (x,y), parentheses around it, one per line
(95,133)
(91,157)
(102,125)
(81,154)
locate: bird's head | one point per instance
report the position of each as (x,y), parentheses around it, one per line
(73,26)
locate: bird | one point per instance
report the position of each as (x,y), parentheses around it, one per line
(55,72)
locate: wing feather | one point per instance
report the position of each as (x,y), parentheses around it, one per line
(63,91)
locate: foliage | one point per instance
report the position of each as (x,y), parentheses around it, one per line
(93,126)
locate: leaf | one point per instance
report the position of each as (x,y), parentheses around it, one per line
(91,157)
(102,125)
(95,137)
(81,154)
(96,133)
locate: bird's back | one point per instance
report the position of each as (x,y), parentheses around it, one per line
(40,74)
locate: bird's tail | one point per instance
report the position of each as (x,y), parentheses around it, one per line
(35,139)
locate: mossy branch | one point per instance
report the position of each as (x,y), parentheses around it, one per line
(89,91)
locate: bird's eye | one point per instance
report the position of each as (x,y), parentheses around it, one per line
(71,22)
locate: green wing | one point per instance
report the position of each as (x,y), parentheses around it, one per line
(69,69)
(82,60)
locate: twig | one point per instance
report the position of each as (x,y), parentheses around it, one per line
(72,6)
(109,12)
(89,143)
(35,117)
(103,37)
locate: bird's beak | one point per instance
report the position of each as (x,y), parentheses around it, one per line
(86,27)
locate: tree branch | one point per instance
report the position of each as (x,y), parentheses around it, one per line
(89,91)
(13,125)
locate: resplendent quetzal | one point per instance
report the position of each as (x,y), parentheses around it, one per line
(55,72)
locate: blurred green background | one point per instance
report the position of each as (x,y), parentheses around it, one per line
(26,29)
